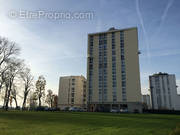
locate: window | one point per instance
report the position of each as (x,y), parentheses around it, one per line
(102,75)
(156,79)
(91,38)
(113,65)
(105,58)
(113,59)
(91,51)
(90,66)
(90,60)
(72,100)
(123,77)
(90,72)
(122,57)
(113,46)
(158,91)
(113,34)
(124,98)
(91,45)
(113,52)
(122,72)
(122,44)
(123,83)
(123,92)
(105,66)
(122,62)
(123,68)
(73,90)
(122,41)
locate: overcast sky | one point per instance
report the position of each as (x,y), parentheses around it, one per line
(58,47)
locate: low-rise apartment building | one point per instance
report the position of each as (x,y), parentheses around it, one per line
(72,92)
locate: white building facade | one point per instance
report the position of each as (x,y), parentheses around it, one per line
(163,91)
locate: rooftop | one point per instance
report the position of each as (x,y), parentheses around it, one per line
(112,29)
(160,73)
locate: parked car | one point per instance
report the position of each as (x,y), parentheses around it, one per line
(75,109)
(42,108)
(65,109)
(46,109)
(114,110)
(82,110)
(123,110)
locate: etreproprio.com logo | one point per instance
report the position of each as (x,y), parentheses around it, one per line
(55,15)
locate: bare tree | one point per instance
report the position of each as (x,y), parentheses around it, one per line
(49,98)
(14,67)
(8,49)
(28,83)
(40,88)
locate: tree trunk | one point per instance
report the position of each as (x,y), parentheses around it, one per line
(7,100)
(15,102)
(51,103)
(39,101)
(5,97)
(8,93)
(24,101)
(1,86)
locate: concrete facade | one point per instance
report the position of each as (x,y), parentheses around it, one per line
(113,68)
(164,92)
(72,92)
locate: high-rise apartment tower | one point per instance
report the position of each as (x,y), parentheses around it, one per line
(163,91)
(113,78)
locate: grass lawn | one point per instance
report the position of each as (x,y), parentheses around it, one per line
(83,123)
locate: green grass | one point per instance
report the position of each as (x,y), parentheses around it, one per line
(65,123)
